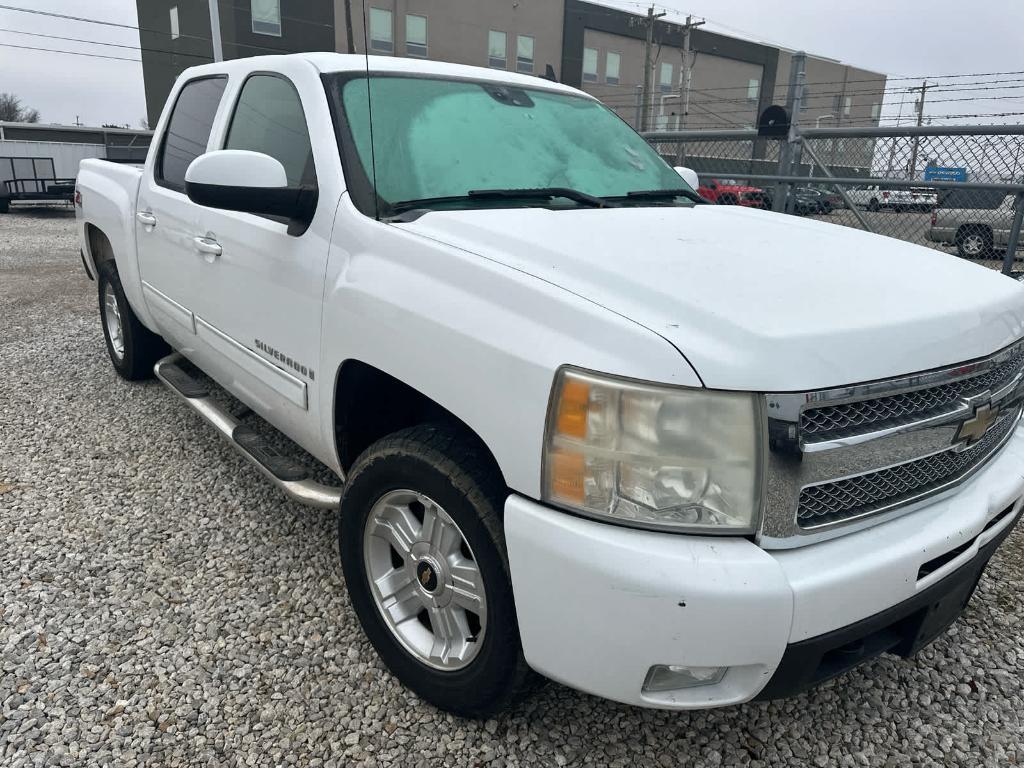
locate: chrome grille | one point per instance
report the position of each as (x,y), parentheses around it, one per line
(848,419)
(865,494)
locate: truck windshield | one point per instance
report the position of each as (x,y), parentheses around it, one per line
(436,141)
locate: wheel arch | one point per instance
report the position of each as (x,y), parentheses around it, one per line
(98,250)
(973,226)
(370,404)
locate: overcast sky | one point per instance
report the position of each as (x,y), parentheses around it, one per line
(898,37)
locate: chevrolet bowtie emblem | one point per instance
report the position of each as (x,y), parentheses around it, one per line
(972,429)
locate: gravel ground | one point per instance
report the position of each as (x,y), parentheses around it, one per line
(162,605)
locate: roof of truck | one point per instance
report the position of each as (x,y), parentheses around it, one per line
(348,62)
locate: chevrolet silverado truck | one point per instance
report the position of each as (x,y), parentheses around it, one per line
(573,421)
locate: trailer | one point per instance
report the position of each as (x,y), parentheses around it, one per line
(32,180)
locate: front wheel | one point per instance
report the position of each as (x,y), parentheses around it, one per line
(423,551)
(132,347)
(873,204)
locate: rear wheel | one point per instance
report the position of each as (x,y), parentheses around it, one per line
(132,347)
(873,204)
(423,551)
(974,242)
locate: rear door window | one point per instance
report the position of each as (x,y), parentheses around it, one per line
(269,119)
(188,130)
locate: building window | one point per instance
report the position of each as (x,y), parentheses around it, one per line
(665,77)
(524,54)
(266,17)
(382,35)
(497,50)
(847,105)
(175,29)
(590,65)
(611,68)
(753,88)
(416,36)
(876,110)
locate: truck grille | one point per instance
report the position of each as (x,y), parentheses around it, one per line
(820,505)
(849,419)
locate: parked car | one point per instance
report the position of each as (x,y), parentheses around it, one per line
(813,200)
(732,192)
(875,198)
(580,423)
(976,222)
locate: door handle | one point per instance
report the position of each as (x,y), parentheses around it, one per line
(207,246)
(146,218)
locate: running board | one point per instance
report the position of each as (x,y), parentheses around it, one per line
(283,471)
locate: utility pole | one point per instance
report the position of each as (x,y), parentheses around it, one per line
(218,51)
(912,170)
(648,101)
(688,65)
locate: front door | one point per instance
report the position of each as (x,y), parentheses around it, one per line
(261,301)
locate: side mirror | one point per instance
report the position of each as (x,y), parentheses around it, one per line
(689,176)
(249,182)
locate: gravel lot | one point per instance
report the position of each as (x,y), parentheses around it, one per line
(162,605)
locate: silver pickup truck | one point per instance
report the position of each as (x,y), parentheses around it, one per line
(975,231)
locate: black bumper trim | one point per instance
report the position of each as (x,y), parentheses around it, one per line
(903,629)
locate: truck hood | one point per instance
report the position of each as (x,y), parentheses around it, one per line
(756,300)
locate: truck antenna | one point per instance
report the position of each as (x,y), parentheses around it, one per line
(369,114)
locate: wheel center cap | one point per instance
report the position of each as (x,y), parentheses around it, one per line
(426,574)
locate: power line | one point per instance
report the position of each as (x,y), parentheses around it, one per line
(73,53)
(97,42)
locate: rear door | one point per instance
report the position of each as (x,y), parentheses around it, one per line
(166,220)
(262,301)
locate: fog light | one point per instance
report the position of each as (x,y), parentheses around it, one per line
(668,677)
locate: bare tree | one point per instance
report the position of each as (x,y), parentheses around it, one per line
(12,110)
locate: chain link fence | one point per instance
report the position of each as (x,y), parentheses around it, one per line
(955,188)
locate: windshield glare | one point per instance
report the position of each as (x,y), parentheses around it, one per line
(442,138)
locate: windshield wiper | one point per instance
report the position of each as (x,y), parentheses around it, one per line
(540,193)
(662,194)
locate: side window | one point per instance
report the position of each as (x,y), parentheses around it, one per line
(269,119)
(188,130)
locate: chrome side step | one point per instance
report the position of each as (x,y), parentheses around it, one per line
(283,471)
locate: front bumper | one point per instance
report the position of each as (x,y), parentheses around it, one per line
(598,604)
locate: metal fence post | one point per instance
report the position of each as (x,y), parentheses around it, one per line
(1014,238)
(782,199)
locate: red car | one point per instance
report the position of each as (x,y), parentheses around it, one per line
(731,192)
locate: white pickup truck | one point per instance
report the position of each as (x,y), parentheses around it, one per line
(673,454)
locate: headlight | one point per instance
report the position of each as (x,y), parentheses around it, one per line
(668,458)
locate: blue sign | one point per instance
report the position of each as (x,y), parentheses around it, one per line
(939,173)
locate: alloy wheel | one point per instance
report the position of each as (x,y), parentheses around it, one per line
(425,580)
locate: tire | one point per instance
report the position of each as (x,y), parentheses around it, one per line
(134,349)
(974,242)
(727,200)
(873,204)
(5,204)
(452,481)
